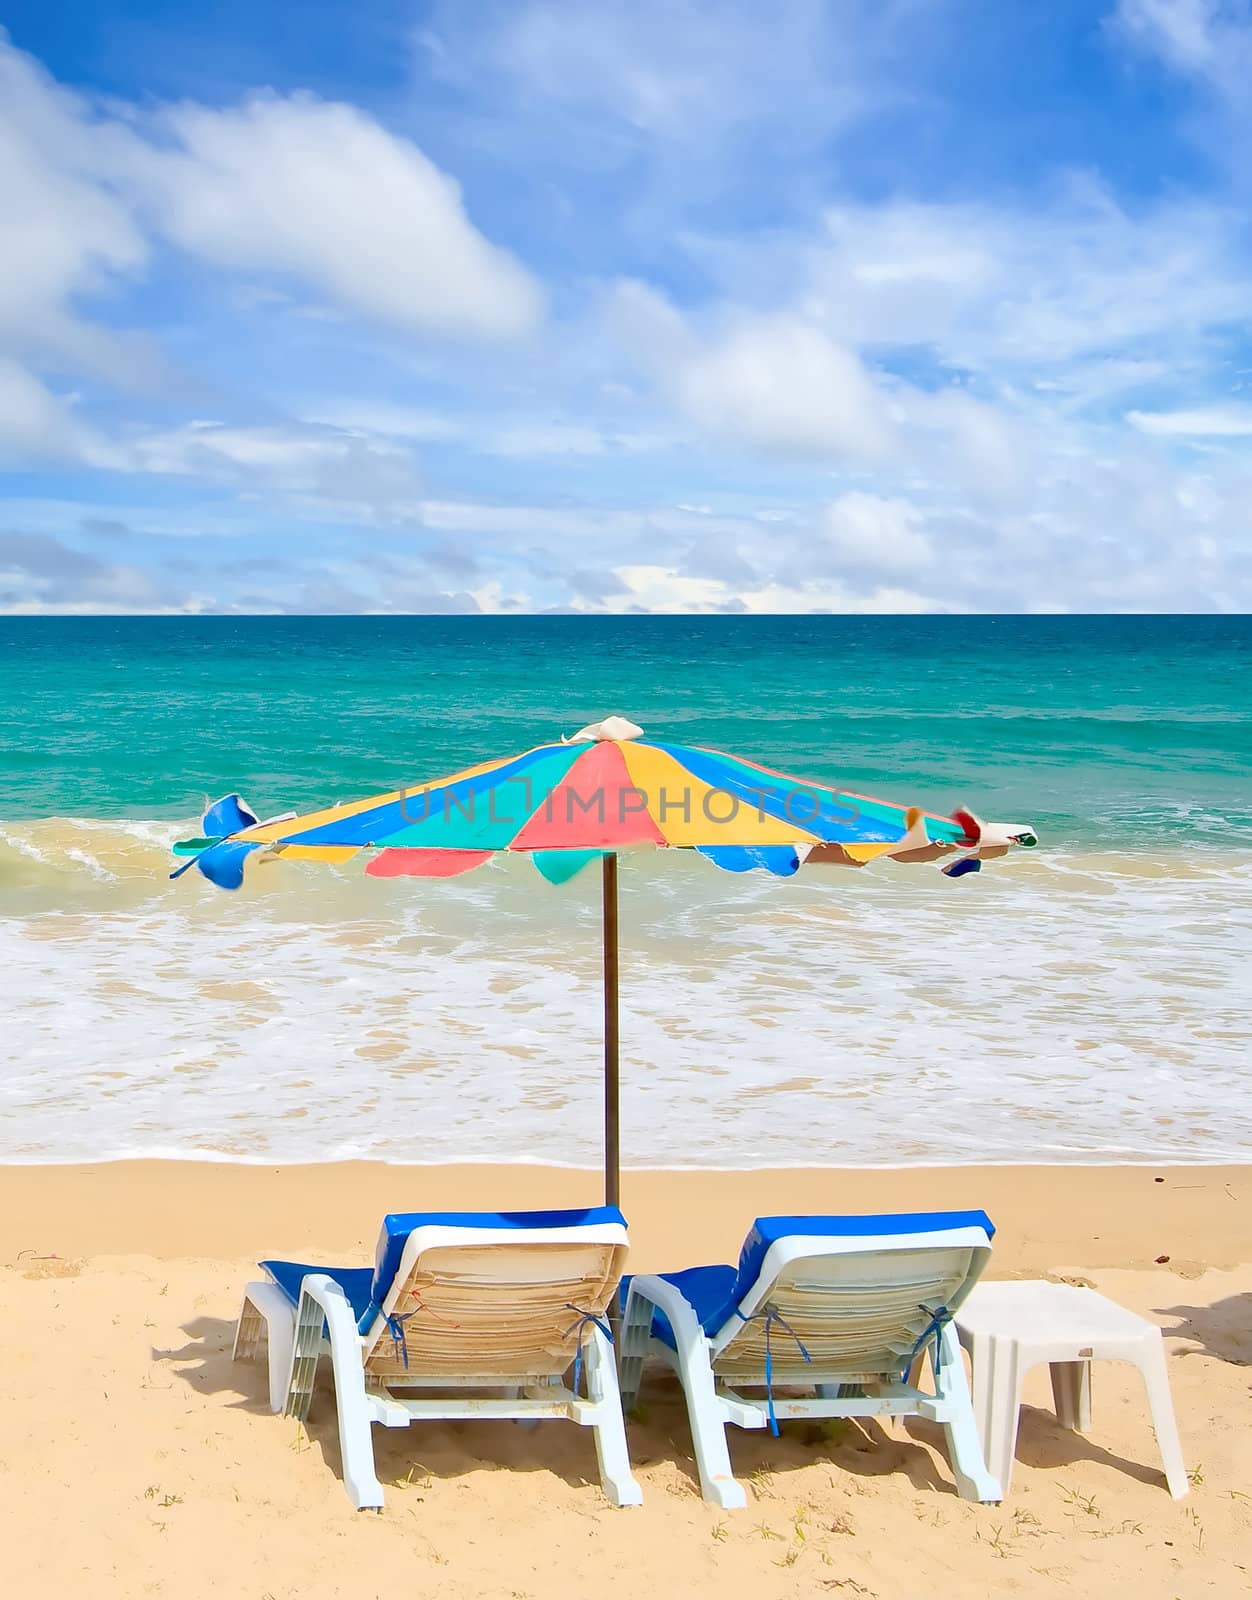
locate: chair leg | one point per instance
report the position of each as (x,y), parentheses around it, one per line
(913,1377)
(356,1441)
(708,1428)
(1152,1367)
(965,1451)
(248,1330)
(306,1349)
(280,1335)
(267,1310)
(609,1427)
(633,1338)
(1071,1394)
(996,1403)
(322,1298)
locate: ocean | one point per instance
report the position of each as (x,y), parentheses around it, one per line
(1086,1001)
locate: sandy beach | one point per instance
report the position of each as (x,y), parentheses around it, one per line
(125,1418)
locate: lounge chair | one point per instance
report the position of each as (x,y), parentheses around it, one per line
(841,1306)
(464,1314)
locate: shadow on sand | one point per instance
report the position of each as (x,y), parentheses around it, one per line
(403,1456)
(1223,1329)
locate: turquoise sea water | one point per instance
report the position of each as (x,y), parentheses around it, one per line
(1106,731)
(1087,1001)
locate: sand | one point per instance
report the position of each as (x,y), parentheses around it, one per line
(137,1459)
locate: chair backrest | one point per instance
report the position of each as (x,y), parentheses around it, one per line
(859,1300)
(489,1295)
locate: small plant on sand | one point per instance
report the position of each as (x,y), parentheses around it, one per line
(997,1541)
(408,1481)
(1125,1526)
(766,1532)
(719,1531)
(762,1481)
(1026,1525)
(1195,1476)
(788,1557)
(1081,1503)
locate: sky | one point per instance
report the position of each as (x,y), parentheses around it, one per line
(514,306)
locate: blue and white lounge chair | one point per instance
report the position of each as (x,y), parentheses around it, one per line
(464,1314)
(841,1306)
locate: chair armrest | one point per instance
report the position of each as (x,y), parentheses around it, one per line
(656,1293)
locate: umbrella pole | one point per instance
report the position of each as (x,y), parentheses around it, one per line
(612,1128)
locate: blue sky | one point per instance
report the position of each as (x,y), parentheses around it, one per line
(674,305)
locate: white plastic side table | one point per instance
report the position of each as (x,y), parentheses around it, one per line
(1010,1327)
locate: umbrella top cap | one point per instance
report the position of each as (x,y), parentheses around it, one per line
(611,730)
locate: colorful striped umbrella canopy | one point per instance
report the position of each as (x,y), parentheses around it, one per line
(604,790)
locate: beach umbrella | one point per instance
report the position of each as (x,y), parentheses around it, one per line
(585,799)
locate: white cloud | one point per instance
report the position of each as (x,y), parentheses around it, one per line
(302,188)
(1185,32)
(1218,422)
(685,69)
(541,523)
(1014,358)
(323,463)
(771,381)
(667,589)
(709,79)
(978,447)
(35,425)
(321,192)
(64,236)
(313,191)
(43,574)
(1208,42)
(870,532)
(527,441)
(1207,39)
(603,534)
(485,434)
(389,421)
(657,588)
(782,385)
(1013,289)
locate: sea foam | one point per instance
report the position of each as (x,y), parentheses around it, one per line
(1059,1007)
